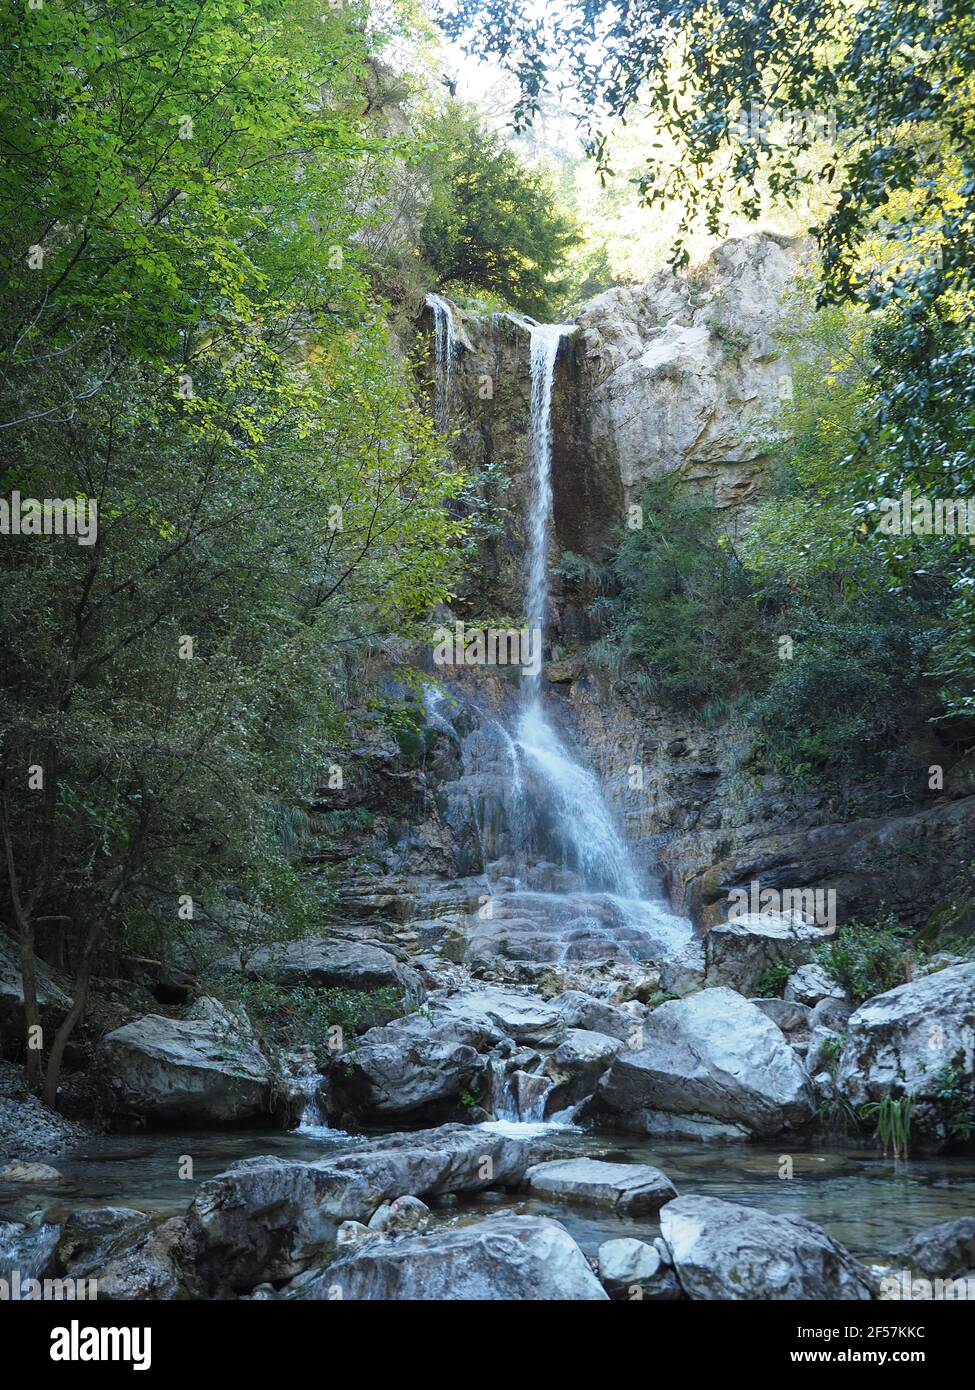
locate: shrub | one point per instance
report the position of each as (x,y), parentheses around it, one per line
(868,958)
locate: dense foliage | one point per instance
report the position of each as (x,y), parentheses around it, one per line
(189,341)
(493,225)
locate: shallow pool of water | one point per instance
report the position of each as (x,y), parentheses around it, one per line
(869,1203)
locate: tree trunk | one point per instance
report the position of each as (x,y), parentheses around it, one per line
(81,986)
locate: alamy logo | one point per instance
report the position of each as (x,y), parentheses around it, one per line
(488,646)
(50,516)
(77,1343)
(908,515)
(17,1289)
(814,906)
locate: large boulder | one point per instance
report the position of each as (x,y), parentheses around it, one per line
(626,1187)
(421,1066)
(92,1236)
(503,1258)
(576,1065)
(811,984)
(151,1269)
(739,952)
(205,1069)
(523,1017)
(269,1218)
(712,1057)
(945,1251)
(722,1250)
(335,963)
(899,1043)
(592,1015)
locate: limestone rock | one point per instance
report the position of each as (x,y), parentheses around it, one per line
(626,1187)
(714,1056)
(504,1257)
(722,1250)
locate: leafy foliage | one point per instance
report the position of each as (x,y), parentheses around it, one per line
(198,351)
(493,224)
(868,958)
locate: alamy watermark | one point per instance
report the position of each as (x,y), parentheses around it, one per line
(909,515)
(814,906)
(904,1284)
(778,125)
(488,646)
(50,516)
(17,1288)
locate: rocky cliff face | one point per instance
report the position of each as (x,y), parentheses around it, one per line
(680,374)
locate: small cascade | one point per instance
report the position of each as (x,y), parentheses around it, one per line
(313,1119)
(517,1096)
(591,843)
(445,348)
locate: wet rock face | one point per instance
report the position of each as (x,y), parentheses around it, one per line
(722,1250)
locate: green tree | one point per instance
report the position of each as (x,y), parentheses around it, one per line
(493,223)
(197,351)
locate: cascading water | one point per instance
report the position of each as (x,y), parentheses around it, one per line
(596,848)
(563,883)
(445,347)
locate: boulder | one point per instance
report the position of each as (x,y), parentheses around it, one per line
(713,1056)
(576,1065)
(41,1173)
(722,1250)
(29,1249)
(810,984)
(92,1236)
(406,1216)
(739,952)
(897,1043)
(335,963)
(422,1066)
(592,1015)
(150,1270)
(632,1269)
(502,1258)
(523,1017)
(791,1017)
(269,1218)
(945,1251)
(626,1187)
(204,1069)
(831,1013)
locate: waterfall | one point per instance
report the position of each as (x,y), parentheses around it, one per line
(584,821)
(545,339)
(445,347)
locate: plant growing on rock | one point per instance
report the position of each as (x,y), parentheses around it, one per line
(868,958)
